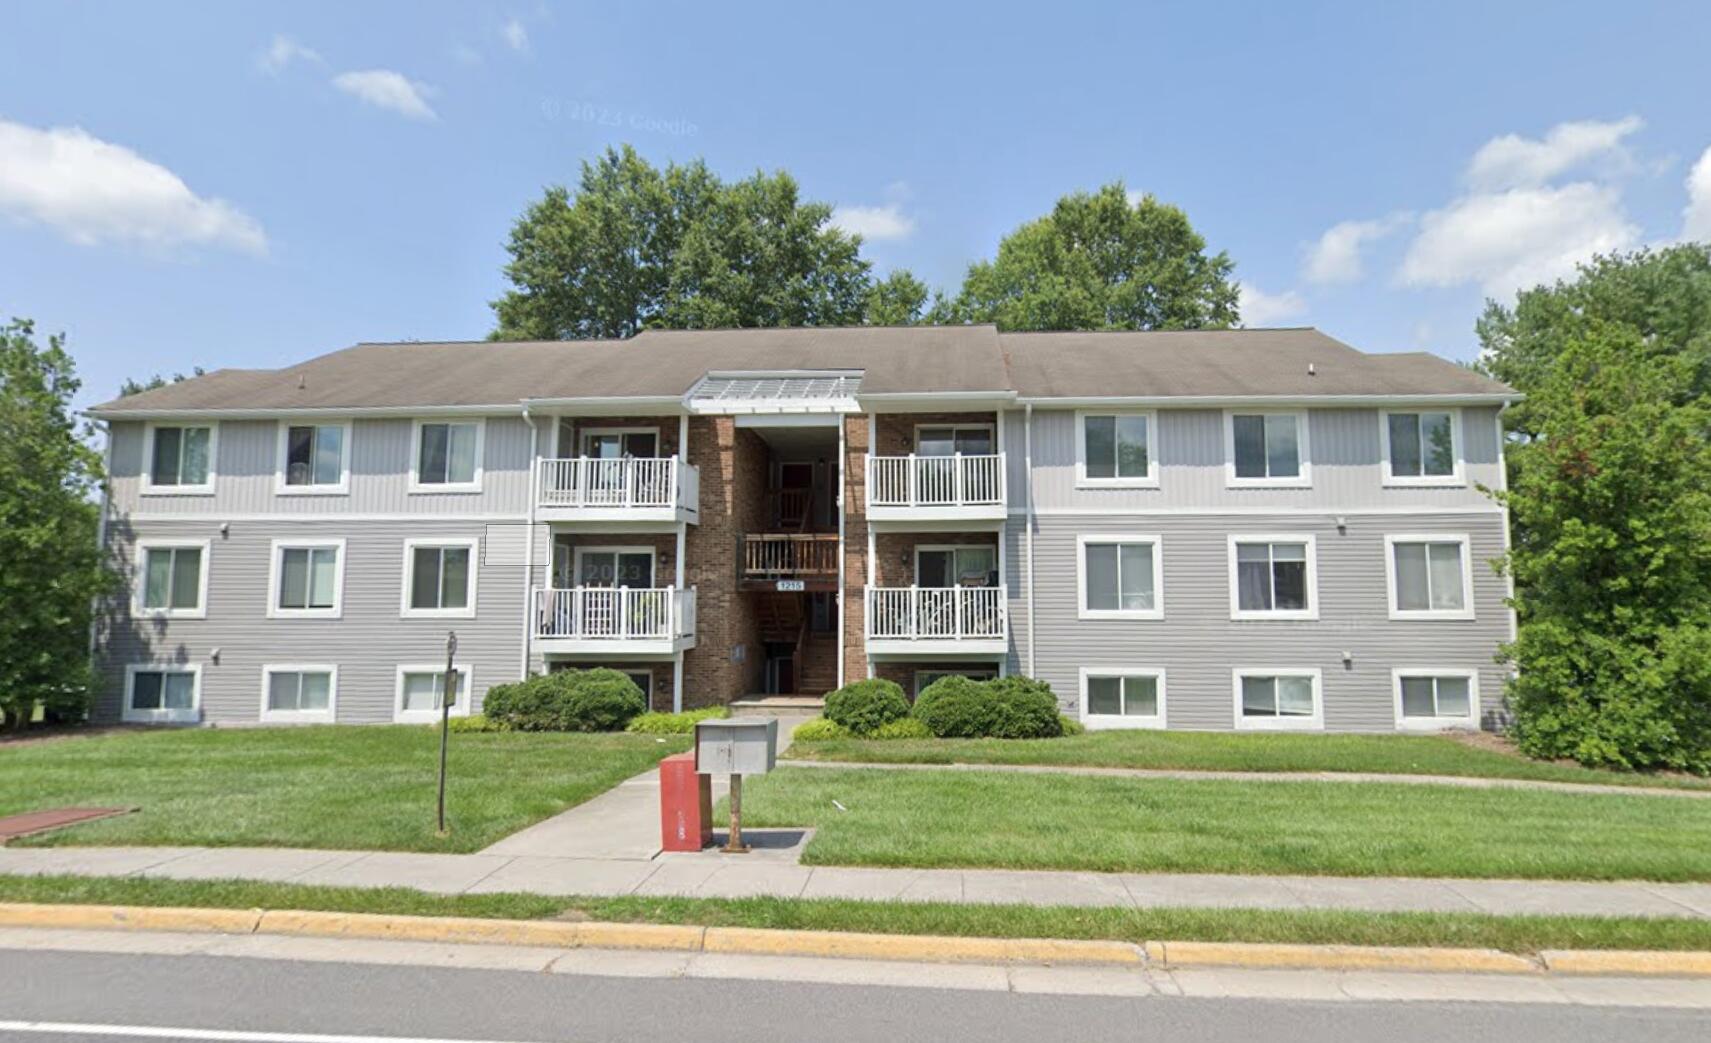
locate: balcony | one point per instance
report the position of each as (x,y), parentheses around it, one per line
(626,490)
(789,561)
(614,621)
(936,488)
(937,621)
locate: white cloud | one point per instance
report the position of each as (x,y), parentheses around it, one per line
(1512,161)
(516,37)
(281,53)
(1696,219)
(92,191)
(1513,240)
(875,223)
(390,90)
(1259,308)
(1336,256)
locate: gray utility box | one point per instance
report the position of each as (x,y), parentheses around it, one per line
(736,746)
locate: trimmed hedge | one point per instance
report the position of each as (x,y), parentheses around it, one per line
(1006,708)
(818,729)
(674,723)
(863,706)
(904,728)
(599,700)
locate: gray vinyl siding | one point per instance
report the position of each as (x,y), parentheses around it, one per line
(368,642)
(1343,444)
(381,456)
(1198,645)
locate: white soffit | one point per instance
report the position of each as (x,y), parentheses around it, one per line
(827,391)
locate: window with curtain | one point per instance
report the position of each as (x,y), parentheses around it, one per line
(1123,695)
(1278,696)
(1272,577)
(1119,576)
(447,454)
(1431,696)
(308,578)
(172,579)
(299,691)
(1430,576)
(315,455)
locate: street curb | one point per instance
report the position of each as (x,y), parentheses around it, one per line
(754,941)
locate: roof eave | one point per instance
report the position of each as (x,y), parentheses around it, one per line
(1322,401)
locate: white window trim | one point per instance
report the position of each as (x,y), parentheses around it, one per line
(405,611)
(341,488)
(917,687)
(1081,609)
(1456,479)
(1392,539)
(327,716)
(473,486)
(163,715)
(915,578)
(149,488)
(140,581)
(1279,724)
(582,434)
(1302,443)
(466,688)
(1150,481)
(915,445)
(1436,724)
(275,569)
(581,551)
(1094,722)
(1310,612)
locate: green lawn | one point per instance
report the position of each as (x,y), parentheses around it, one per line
(1524,934)
(322,787)
(1230,751)
(1078,822)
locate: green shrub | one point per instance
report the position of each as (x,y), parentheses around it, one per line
(819,729)
(598,700)
(1070,726)
(902,728)
(674,723)
(1006,708)
(475,722)
(862,706)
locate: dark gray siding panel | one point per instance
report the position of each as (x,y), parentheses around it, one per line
(1198,644)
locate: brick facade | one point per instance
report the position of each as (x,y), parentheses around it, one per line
(894,552)
(896,431)
(569,428)
(727,660)
(854,614)
(661,672)
(904,672)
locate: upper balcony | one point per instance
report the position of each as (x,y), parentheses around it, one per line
(623,490)
(936,489)
(643,622)
(944,622)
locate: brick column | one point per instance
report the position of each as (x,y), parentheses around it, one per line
(855,545)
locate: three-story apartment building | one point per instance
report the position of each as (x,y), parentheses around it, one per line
(1244,529)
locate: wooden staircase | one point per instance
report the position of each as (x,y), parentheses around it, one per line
(819,659)
(779,616)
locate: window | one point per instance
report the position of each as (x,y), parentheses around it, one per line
(439,577)
(298,693)
(180,459)
(1278,699)
(1119,577)
(448,455)
(1428,577)
(163,694)
(1122,698)
(1267,448)
(420,688)
(1273,577)
(307,579)
(174,578)
(954,440)
(313,458)
(1427,700)
(1422,448)
(641,443)
(615,567)
(925,678)
(972,565)
(1115,449)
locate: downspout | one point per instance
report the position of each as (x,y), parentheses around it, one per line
(1028,519)
(682,565)
(843,495)
(529,540)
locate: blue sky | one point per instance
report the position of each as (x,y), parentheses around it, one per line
(252,184)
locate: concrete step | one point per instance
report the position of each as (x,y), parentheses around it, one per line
(794,706)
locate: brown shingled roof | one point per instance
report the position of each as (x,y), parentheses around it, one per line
(918,359)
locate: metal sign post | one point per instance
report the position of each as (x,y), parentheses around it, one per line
(448,693)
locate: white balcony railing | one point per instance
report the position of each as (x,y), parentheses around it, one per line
(615,613)
(936,613)
(935,481)
(632,481)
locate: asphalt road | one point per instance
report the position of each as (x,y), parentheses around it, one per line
(126,995)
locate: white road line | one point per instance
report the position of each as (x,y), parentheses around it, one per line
(66,1028)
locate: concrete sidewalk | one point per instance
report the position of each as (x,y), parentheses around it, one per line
(714,875)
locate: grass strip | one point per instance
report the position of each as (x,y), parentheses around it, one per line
(1520,934)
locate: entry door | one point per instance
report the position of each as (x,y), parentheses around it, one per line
(970,566)
(615,445)
(610,478)
(950,441)
(795,487)
(941,611)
